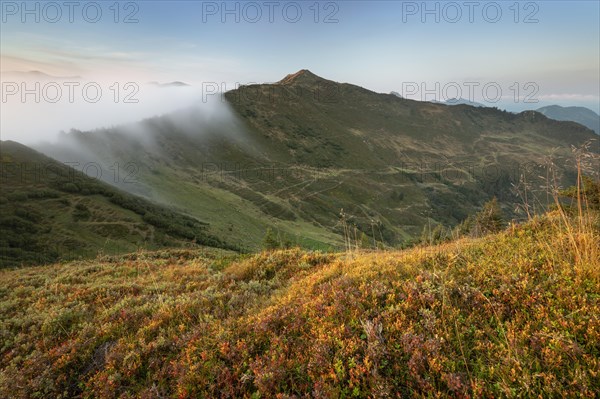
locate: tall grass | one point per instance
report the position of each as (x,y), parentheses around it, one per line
(571,211)
(578,215)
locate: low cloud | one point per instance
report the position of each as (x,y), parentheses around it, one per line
(37,107)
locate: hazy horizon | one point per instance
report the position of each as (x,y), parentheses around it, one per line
(498,54)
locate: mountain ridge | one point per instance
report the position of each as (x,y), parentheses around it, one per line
(290,155)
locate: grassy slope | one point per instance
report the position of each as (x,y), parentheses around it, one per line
(176,169)
(385,161)
(394,165)
(50,212)
(513,314)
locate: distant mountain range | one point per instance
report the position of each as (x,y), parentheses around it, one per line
(170,84)
(44,77)
(35,76)
(462,101)
(582,115)
(451,101)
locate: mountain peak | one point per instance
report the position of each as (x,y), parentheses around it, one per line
(302,76)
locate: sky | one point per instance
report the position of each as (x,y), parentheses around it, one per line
(513,55)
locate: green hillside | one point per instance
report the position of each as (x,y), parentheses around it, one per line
(292,155)
(514,314)
(51,212)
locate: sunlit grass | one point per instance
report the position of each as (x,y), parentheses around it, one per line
(510,314)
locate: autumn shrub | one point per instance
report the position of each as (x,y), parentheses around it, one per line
(509,314)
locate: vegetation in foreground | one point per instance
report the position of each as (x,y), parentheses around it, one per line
(513,314)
